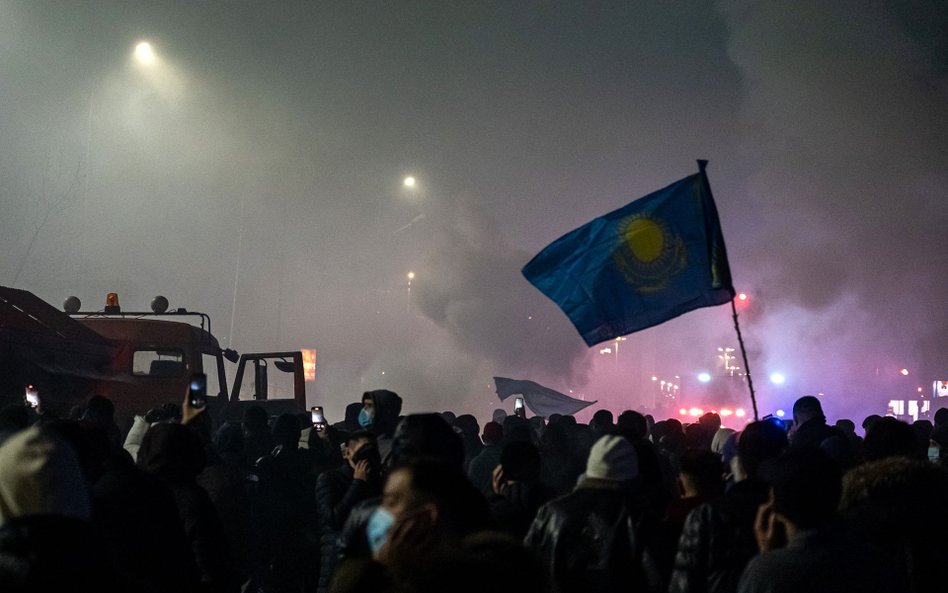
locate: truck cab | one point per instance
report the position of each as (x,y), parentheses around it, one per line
(139,360)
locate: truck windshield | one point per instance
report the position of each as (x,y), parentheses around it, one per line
(158,363)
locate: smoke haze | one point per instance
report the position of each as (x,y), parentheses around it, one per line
(266,146)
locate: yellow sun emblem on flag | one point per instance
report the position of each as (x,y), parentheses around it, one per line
(648,254)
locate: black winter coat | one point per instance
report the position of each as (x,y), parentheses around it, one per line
(481,469)
(138,517)
(718,541)
(813,433)
(353,541)
(285,519)
(56,553)
(515,510)
(597,538)
(336,494)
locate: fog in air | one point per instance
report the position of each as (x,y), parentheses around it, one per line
(252,167)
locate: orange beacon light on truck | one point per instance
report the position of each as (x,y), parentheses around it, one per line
(112,303)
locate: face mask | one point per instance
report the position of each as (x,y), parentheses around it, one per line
(380,523)
(934,453)
(365,418)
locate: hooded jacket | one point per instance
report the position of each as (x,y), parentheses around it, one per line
(173,453)
(46,540)
(388,406)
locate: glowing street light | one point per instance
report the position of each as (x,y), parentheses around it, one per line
(904,372)
(154,69)
(409,182)
(704,377)
(618,341)
(411,276)
(145,54)
(727,358)
(777,378)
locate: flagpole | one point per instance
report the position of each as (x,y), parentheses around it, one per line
(740,340)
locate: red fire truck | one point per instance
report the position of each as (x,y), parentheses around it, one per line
(137,359)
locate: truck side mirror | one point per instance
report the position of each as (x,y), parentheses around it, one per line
(284,365)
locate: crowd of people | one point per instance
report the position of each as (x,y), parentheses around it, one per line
(381,502)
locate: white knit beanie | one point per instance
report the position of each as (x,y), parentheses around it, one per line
(612,458)
(40,474)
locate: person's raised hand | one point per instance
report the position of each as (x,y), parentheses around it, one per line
(769,528)
(189,412)
(361,470)
(498,482)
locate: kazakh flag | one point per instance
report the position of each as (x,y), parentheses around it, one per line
(641,265)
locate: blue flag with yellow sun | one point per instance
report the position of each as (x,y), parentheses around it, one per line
(641,265)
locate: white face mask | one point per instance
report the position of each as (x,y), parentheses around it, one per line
(380,523)
(934,453)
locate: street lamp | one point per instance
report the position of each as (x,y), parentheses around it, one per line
(164,77)
(411,276)
(727,358)
(144,53)
(409,182)
(610,350)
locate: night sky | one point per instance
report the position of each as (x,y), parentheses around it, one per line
(266,147)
